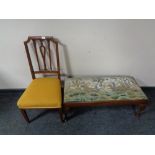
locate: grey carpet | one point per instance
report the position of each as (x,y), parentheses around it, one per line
(100,120)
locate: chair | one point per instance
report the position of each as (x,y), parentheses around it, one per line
(44,92)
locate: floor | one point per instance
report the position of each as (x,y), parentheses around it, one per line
(83,121)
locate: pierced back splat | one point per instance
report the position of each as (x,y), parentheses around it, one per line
(45,50)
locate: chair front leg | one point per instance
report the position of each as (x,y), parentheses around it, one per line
(25,115)
(62,115)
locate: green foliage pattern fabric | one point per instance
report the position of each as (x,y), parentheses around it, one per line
(105,88)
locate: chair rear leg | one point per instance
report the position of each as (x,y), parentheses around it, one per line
(25,115)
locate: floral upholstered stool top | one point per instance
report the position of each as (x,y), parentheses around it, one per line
(105,90)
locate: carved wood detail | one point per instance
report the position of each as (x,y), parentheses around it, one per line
(44,54)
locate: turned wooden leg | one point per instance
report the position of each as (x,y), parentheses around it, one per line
(25,115)
(141,109)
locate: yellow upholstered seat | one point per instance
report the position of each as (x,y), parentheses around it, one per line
(41,93)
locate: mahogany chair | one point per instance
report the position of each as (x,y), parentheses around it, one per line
(43,92)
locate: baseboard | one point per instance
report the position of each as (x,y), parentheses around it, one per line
(148,87)
(20,90)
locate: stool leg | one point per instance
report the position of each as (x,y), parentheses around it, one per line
(25,115)
(141,109)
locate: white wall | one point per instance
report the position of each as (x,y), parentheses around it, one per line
(91,47)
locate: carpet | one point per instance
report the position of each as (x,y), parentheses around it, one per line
(113,120)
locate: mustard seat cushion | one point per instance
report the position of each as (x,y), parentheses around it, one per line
(41,93)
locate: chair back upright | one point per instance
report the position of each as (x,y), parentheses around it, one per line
(44,50)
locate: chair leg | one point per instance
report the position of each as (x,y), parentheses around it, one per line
(62,116)
(25,115)
(66,111)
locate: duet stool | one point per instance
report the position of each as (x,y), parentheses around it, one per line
(104,90)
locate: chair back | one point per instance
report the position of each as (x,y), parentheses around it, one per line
(45,51)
